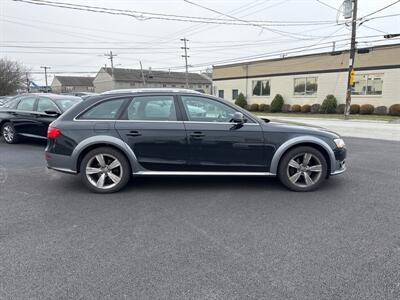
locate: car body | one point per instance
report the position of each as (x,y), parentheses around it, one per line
(83,95)
(109,138)
(4,100)
(29,115)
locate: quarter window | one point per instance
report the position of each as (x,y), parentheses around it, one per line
(201,109)
(107,110)
(261,88)
(27,104)
(152,108)
(368,84)
(305,86)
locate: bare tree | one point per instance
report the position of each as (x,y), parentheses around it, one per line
(12,77)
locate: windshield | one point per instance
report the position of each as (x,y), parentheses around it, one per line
(66,103)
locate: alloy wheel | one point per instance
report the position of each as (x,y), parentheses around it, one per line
(104,171)
(304,170)
(8,133)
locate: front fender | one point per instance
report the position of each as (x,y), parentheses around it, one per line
(298,141)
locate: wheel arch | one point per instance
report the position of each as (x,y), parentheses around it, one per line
(310,141)
(103,141)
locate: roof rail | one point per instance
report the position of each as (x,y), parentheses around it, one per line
(157,90)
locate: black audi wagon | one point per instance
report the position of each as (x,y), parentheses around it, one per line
(109,138)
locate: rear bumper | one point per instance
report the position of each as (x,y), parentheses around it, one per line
(61,163)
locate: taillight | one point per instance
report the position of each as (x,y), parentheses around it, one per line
(53,132)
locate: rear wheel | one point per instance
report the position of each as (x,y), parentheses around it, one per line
(9,134)
(105,170)
(303,169)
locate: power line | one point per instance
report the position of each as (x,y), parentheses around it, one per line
(379,10)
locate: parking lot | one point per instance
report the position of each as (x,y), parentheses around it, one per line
(201,238)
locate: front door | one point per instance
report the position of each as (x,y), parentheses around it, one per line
(45,104)
(217,144)
(152,129)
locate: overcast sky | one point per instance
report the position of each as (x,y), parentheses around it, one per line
(25,27)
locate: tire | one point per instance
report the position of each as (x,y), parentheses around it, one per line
(105,170)
(299,175)
(9,134)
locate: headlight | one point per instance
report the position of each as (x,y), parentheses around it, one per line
(339,143)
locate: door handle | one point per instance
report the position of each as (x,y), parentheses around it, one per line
(197,135)
(134,133)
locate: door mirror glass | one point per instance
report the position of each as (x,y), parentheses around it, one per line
(238,118)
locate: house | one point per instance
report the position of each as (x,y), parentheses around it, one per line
(67,84)
(118,78)
(308,79)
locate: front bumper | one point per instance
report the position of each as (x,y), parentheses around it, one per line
(340,163)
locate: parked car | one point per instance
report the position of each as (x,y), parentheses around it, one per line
(29,115)
(4,100)
(109,138)
(83,95)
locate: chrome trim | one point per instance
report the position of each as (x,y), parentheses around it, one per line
(133,121)
(193,173)
(33,136)
(64,170)
(222,123)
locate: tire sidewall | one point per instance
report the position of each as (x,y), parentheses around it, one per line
(283,177)
(126,174)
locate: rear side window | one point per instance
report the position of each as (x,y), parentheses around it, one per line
(27,104)
(107,110)
(152,108)
(46,104)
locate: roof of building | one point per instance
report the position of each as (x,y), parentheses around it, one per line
(376,57)
(75,80)
(135,75)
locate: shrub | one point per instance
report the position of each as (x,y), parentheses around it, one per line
(306,108)
(296,108)
(241,100)
(394,110)
(264,107)
(277,103)
(329,105)
(366,109)
(315,108)
(381,110)
(286,108)
(254,107)
(340,108)
(354,109)
(247,107)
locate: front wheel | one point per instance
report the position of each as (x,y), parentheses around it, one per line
(303,169)
(105,170)
(9,134)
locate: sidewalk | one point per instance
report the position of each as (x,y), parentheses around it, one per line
(352,128)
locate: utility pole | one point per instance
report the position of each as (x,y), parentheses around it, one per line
(186,60)
(333,46)
(45,74)
(28,82)
(350,75)
(141,70)
(111,58)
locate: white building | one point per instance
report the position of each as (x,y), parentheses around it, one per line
(308,79)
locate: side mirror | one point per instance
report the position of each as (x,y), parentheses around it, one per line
(238,118)
(52,113)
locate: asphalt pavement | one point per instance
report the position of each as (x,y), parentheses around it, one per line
(201,238)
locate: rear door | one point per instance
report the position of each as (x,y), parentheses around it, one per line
(25,121)
(152,127)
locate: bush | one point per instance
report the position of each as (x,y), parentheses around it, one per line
(286,108)
(254,107)
(247,107)
(264,107)
(306,108)
(241,100)
(367,109)
(354,109)
(296,108)
(329,105)
(277,103)
(381,110)
(394,110)
(315,108)
(340,108)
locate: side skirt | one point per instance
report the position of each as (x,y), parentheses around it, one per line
(189,173)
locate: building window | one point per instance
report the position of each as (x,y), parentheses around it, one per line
(207,86)
(261,88)
(173,85)
(235,94)
(221,94)
(164,85)
(199,86)
(368,84)
(305,86)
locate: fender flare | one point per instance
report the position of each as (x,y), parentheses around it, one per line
(108,140)
(298,141)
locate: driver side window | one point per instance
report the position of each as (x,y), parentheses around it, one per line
(199,109)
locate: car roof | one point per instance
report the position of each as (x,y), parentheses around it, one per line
(150,90)
(50,95)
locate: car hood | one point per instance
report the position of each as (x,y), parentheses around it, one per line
(290,126)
